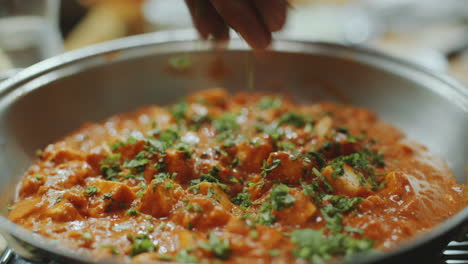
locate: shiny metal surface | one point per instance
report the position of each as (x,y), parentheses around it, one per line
(54,97)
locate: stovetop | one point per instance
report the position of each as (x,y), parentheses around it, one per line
(455,253)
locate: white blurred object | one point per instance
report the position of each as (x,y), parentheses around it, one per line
(167,14)
(29,31)
(329,22)
(5,63)
(407,15)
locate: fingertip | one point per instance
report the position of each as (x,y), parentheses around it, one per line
(221,32)
(249,25)
(260,41)
(273,12)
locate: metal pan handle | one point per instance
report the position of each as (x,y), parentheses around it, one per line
(6,256)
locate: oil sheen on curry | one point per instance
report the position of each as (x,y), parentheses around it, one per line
(248,178)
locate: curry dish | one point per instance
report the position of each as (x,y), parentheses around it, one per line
(249,178)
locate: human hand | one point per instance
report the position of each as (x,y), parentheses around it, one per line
(254,20)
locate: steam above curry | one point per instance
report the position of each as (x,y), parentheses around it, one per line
(236,179)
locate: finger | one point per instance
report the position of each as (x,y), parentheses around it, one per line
(273,13)
(207,20)
(242,16)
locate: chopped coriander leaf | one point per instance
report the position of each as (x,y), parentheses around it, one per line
(112,249)
(255,184)
(10,207)
(86,237)
(313,191)
(280,197)
(214,171)
(226,123)
(332,211)
(286,145)
(163,176)
(266,168)
(165,257)
(210,192)
(184,148)
(110,167)
(253,234)
(162,225)
(323,180)
(342,203)
(141,243)
(271,129)
(132,211)
(91,190)
(180,63)
(179,110)
(58,200)
(107,196)
(265,217)
(211,176)
(168,137)
(315,247)
(331,146)
(116,145)
(138,163)
(191,207)
(246,215)
(295,119)
(274,252)
(269,103)
(343,130)
(149,228)
(184,256)
(243,199)
(198,121)
(132,140)
(235,162)
(318,158)
(38,176)
(353,230)
(233,180)
(364,161)
(220,248)
(220,151)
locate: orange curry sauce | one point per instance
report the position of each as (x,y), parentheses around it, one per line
(248,178)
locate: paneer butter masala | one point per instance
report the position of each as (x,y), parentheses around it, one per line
(249,178)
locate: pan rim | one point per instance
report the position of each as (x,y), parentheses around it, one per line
(453,91)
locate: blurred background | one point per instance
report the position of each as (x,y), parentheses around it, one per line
(432,33)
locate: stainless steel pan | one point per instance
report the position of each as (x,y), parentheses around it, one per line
(54,97)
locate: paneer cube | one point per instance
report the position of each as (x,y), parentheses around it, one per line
(323,126)
(398,184)
(299,213)
(251,156)
(63,211)
(215,192)
(24,208)
(115,196)
(160,198)
(202,213)
(285,167)
(349,184)
(177,162)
